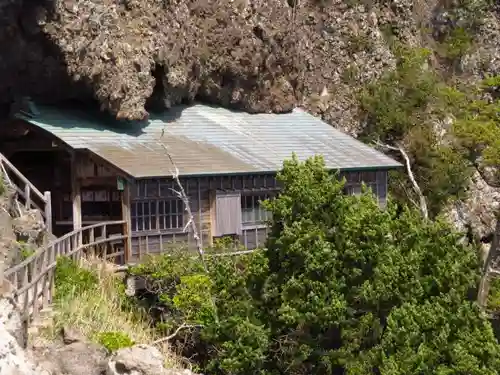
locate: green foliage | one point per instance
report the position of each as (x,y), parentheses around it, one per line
(493,302)
(3,189)
(238,340)
(455,44)
(441,169)
(193,298)
(359,42)
(403,107)
(477,127)
(343,287)
(338,267)
(394,103)
(26,250)
(113,341)
(439,337)
(70,279)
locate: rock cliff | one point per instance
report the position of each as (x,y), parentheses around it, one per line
(255,55)
(71,355)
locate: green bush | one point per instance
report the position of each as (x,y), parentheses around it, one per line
(70,279)
(343,287)
(493,302)
(26,250)
(113,341)
(403,107)
(455,44)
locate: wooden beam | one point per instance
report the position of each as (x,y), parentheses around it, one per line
(211,199)
(101,181)
(76,196)
(127,226)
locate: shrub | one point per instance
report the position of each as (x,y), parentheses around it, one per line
(493,302)
(94,303)
(26,250)
(338,267)
(403,107)
(113,341)
(343,287)
(70,279)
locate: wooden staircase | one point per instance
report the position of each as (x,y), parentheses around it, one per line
(31,282)
(27,194)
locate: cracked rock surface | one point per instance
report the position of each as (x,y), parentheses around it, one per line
(256,55)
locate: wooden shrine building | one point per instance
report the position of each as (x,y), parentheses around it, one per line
(98,169)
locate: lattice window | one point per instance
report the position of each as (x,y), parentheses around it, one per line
(153,214)
(171,214)
(251,209)
(355,180)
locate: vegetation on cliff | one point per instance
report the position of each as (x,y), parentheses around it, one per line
(341,60)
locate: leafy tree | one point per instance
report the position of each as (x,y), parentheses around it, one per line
(344,287)
(340,268)
(439,337)
(403,107)
(477,127)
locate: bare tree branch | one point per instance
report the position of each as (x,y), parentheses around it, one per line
(422,201)
(176,332)
(191,224)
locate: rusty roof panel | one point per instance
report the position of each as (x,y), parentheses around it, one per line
(209,140)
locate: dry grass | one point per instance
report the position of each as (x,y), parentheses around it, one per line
(100,310)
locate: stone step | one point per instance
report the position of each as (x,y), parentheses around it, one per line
(44,318)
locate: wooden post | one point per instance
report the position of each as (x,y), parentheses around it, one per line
(48,211)
(127,226)
(75,194)
(27,196)
(213,222)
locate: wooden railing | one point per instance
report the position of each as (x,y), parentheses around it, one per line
(29,195)
(32,281)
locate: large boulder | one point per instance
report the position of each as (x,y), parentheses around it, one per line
(73,355)
(140,360)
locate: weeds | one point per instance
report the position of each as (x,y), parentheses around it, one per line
(93,302)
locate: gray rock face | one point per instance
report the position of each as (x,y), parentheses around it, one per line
(73,355)
(14,360)
(140,360)
(478,210)
(11,321)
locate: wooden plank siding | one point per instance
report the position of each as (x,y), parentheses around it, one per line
(203,193)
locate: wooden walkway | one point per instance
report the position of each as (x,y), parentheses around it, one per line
(32,281)
(27,193)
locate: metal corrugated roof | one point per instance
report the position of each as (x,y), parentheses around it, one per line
(208,140)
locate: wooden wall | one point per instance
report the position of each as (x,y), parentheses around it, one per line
(201,193)
(97,186)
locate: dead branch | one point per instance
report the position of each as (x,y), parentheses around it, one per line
(191,224)
(176,332)
(422,201)
(181,194)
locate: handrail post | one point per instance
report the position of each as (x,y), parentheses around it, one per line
(48,210)
(27,197)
